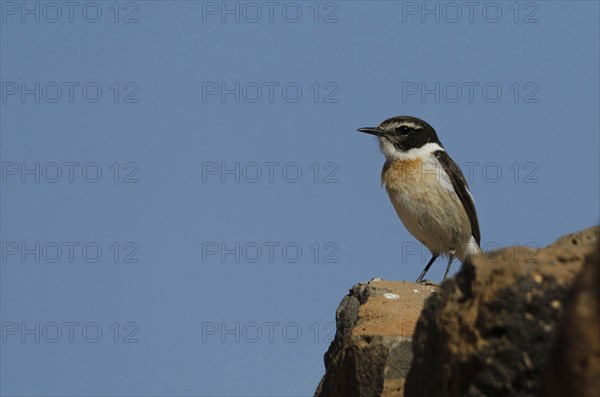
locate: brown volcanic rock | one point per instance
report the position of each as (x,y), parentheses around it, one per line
(371,352)
(488,331)
(574,365)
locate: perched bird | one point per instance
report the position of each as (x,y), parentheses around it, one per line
(428,190)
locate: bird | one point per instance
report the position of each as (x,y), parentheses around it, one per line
(428,190)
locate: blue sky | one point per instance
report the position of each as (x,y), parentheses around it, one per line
(185,199)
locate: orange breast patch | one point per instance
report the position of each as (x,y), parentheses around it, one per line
(397,173)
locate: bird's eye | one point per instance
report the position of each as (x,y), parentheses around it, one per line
(403,129)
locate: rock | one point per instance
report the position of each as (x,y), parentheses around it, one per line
(574,365)
(516,321)
(489,330)
(371,352)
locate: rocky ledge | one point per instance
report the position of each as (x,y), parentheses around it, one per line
(512,322)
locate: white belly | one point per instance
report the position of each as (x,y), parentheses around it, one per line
(428,207)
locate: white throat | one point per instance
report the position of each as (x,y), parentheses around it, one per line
(391,153)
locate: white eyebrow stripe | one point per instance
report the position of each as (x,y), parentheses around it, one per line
(406,124)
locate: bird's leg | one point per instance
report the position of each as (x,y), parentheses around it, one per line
(433,258)
(450,259)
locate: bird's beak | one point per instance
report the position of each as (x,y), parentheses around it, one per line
(372,131)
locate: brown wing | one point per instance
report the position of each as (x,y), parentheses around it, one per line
(462,190)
